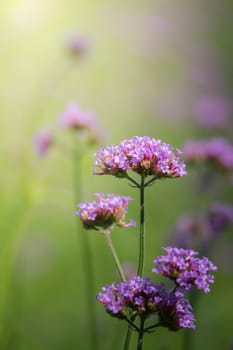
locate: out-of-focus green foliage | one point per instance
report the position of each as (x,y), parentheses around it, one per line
(137,77)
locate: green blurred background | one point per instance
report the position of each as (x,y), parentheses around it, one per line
(149,63)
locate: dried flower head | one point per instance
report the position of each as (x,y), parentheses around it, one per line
(105,212)
(181,266)
(142,155)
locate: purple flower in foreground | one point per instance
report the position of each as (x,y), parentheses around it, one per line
(43,140)
(176,312)
(142,155)
(105,212)
(185,269)
(140,295)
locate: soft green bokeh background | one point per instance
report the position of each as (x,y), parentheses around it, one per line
(136,78)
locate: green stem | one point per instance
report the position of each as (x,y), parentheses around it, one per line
(85,249)
(188,333)
(114,254)
(128,338)
(142,229)
(140,334)
(141,246)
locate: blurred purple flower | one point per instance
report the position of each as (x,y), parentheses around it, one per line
(83,121)
(191,231)
(77,45)
(212,112)
(220,216)
(217,152)
(43,140)
(129,270)
(198,229)
(105,212)
(187,271)
(74,117)
(142,155)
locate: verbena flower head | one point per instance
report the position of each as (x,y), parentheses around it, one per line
(43,140)
(105,212)
(217,152)
(138,294)
(142,155)
(181,266)
(175,312)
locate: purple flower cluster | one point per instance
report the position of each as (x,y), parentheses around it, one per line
(105,212)
(217,152)
(142,155)
(137,294)
(175,312)
(181,266)
(141,295)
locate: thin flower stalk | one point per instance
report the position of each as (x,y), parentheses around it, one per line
(141,334)
(114,254)
(85,249)
(141,261)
